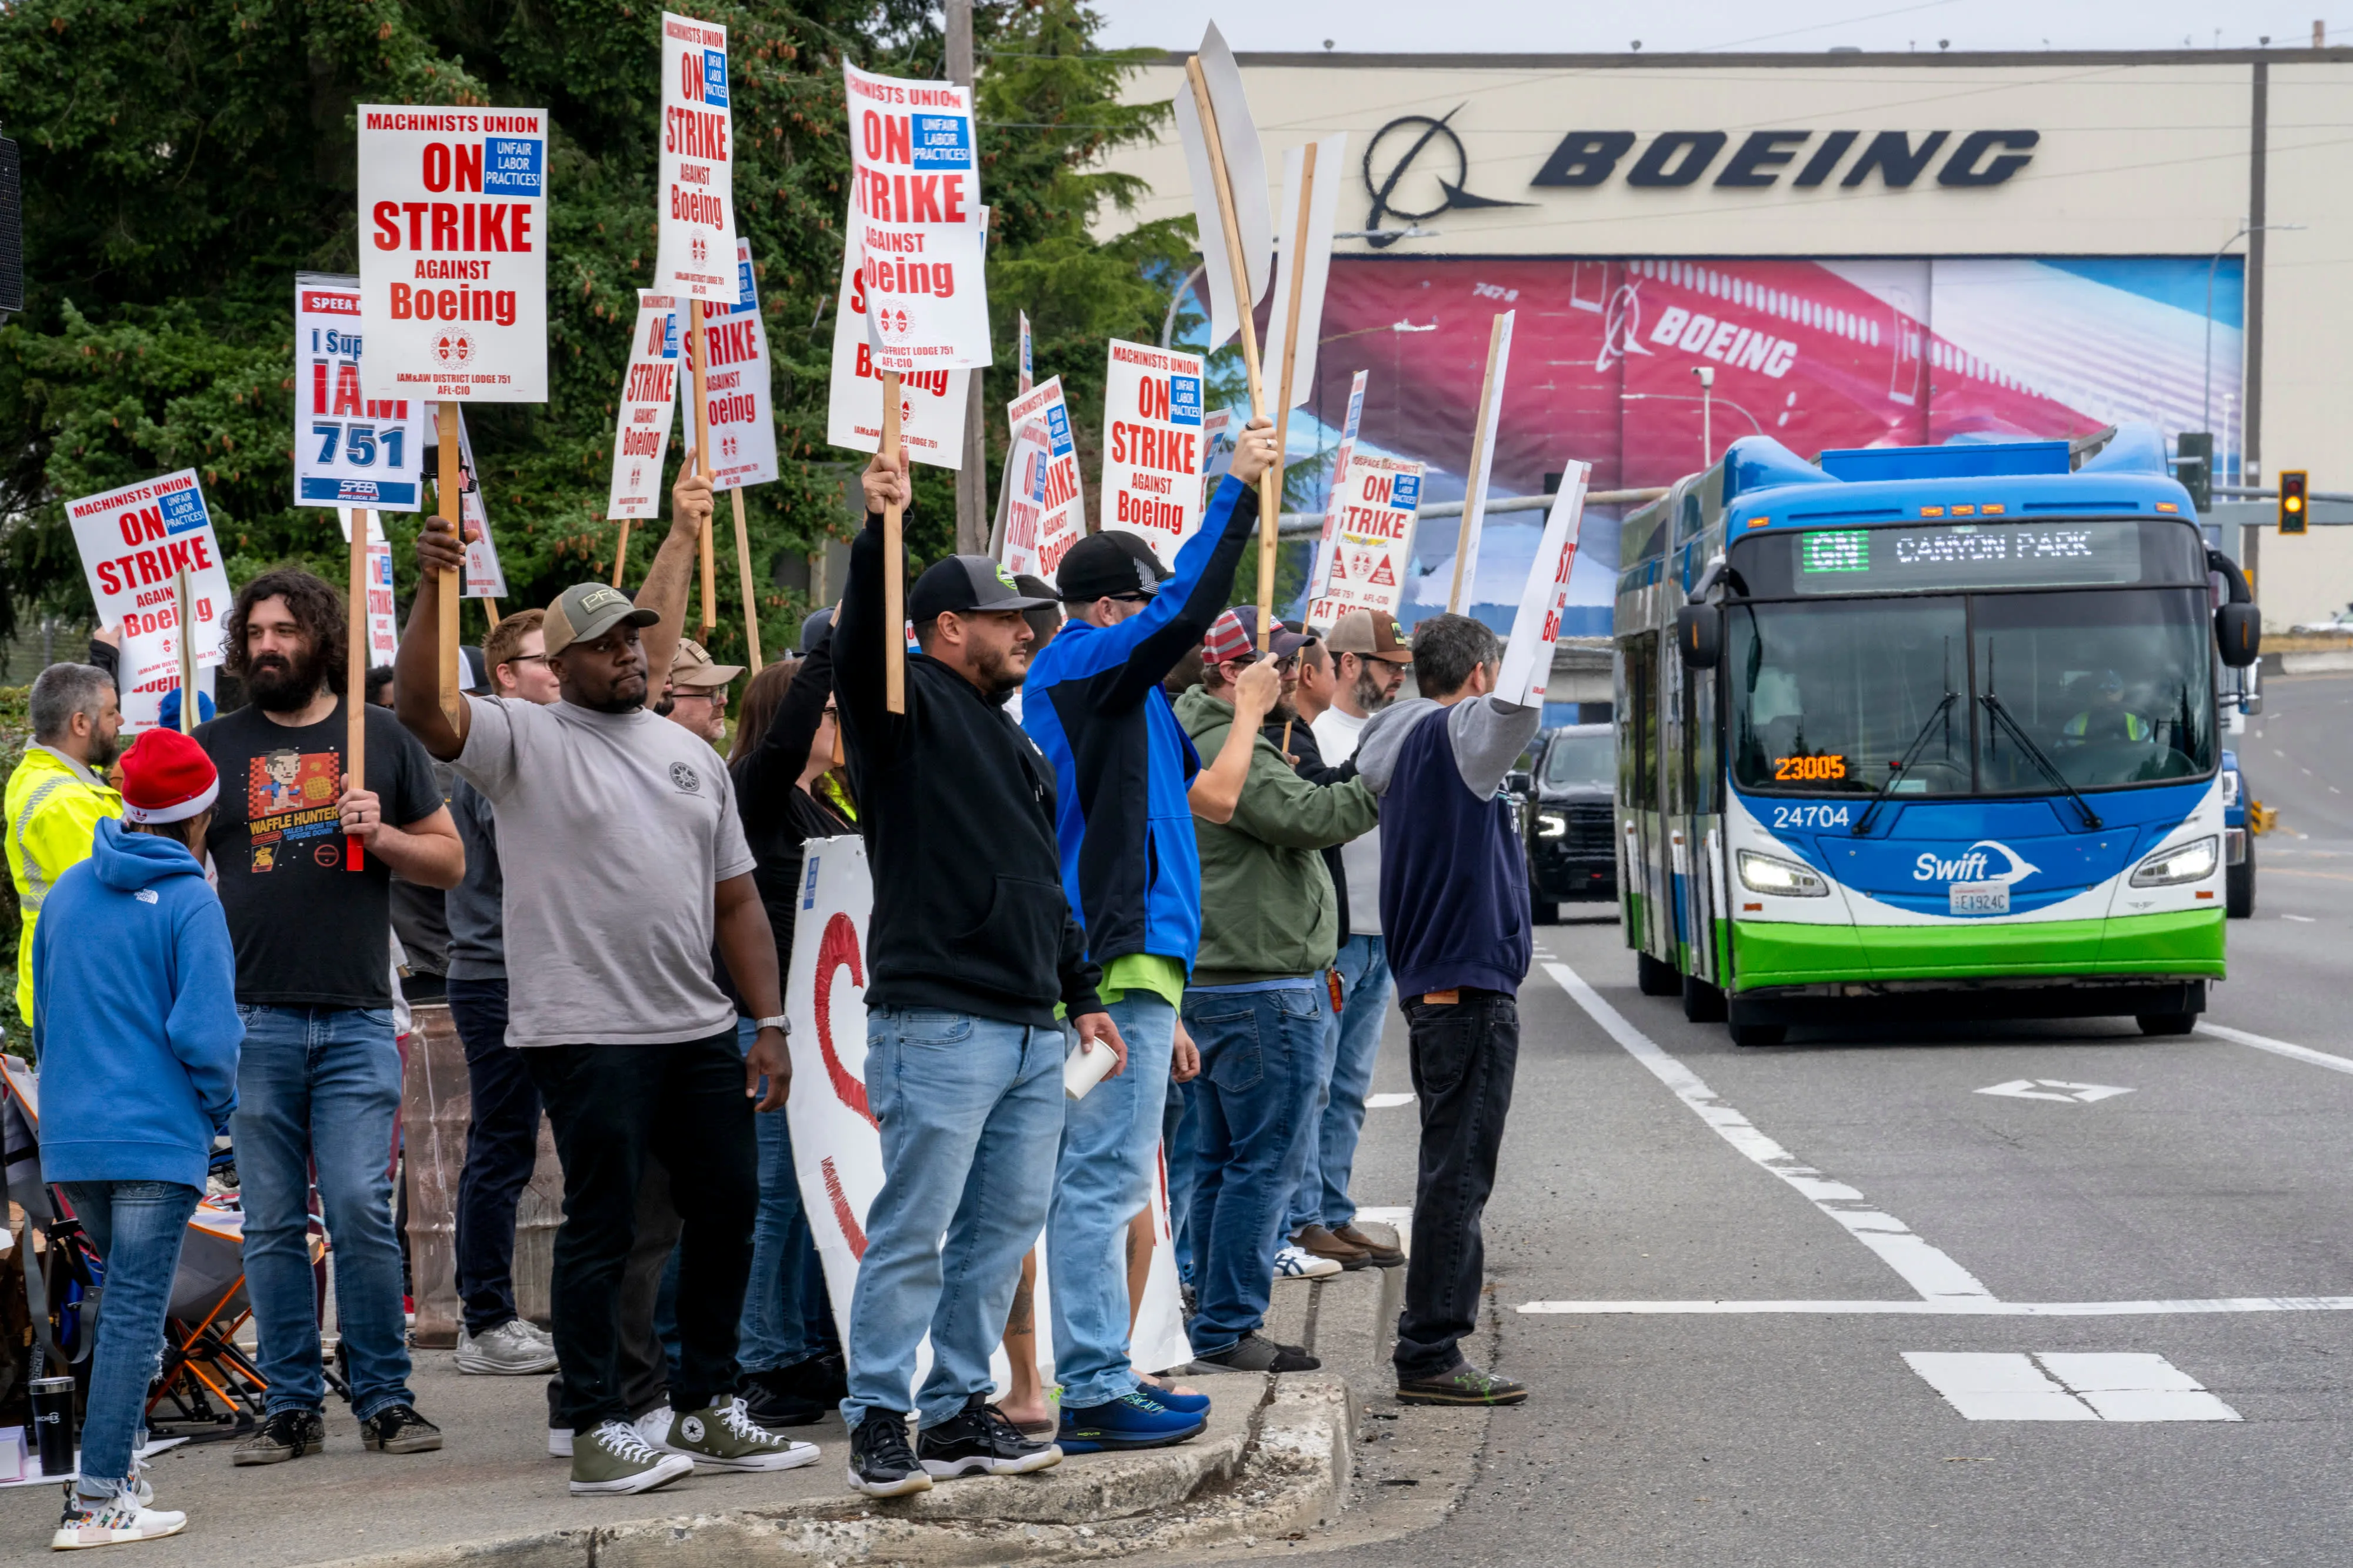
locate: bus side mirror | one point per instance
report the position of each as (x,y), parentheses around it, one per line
(1699,632)
(2238,628)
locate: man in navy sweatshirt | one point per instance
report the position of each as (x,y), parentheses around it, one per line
(1454,908)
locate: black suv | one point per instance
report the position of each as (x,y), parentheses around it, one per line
(1571,824)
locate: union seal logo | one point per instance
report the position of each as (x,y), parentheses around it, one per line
(685,778)
(454,348)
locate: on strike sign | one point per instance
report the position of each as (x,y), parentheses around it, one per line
(453,253)
(1371,542)
(1045,511)
(917,228)
(1535,628)
(1152,446)
(737,379)
(931,402)
(133,540)
(695,249)
(350,449)
(649,399)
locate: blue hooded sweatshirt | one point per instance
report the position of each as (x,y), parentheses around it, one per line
(134,1019)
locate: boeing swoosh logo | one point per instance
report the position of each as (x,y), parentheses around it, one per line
(1974,863)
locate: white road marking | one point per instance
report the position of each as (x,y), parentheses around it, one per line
(1923,1267)
(2055,1088)
(2069,1387)
(2277,1048)
(1947,1308)
(1384,1102)
(2300,920)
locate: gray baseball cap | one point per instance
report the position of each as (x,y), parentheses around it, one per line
(586,611)
(967,583)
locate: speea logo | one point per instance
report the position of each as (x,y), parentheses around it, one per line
(1975,864)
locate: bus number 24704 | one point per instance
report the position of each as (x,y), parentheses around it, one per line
(1809,816)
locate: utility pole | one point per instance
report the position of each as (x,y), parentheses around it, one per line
(972,486)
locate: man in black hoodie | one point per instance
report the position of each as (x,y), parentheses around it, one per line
(970,947)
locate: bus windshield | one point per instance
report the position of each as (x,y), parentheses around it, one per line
(1930,695)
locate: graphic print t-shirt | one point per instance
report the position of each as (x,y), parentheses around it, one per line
(309,931)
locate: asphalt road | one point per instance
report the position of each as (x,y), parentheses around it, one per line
(2193,1217)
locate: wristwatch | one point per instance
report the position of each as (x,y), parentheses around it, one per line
(778,1022)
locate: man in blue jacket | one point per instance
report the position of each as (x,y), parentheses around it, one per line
(136,1028)
(1123,768)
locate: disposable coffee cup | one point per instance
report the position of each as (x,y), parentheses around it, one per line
(1083,1069)
(53,1423)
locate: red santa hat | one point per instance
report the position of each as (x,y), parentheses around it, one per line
(166,777)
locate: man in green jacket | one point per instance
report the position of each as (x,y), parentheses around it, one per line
(1270,922)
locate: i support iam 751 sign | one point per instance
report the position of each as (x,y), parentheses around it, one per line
(350,449)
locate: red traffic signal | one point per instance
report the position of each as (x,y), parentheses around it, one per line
(2292,510)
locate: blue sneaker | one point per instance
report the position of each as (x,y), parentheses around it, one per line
(1132,1421)
(1183,1404)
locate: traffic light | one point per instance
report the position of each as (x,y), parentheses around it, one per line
(2292,483)
(2193,465)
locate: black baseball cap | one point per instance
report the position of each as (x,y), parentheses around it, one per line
(1112,564)
(965,584)
(818,623)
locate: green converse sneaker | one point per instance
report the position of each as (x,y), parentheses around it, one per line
(724,1437)
(614,1459)
(1466,1384)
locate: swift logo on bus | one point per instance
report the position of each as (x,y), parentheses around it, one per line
(1974,865)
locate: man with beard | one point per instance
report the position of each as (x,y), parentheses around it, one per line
(57,796)
(305,854)
(624,859)
(970,947)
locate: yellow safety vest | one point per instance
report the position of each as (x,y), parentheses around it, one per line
(54,804)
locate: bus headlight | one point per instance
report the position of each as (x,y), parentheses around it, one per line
(2190,862)
(1551,825)
(1769,874)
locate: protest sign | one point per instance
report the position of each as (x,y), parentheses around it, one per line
(695,224)
(836,1143)
(383,630)
(485,579)
(648,400)
(453,255)
(931,402)
(738,414)
(350,449)
(1372,540)
(1045,510)
(1482,461)
(1311,199)
(1221,429)
(1152,444)
(1536,628)
(1236,226)
(1332,487)
(916,221)
(133,540)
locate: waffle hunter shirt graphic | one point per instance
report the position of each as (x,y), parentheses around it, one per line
(309,931)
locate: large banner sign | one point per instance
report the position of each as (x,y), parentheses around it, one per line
(836,1143)
(649,401)
(1153,455)
(133,540)
(931,402)
(696,224)
(1536,628)
(1372,544)
(916,221)
(1045,510)
(736,359)
(453,253)
(349,449)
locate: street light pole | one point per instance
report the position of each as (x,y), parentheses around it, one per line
(2206,405)
(1706,374)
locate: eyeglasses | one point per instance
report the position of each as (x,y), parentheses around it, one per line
(525,659)
(717,695)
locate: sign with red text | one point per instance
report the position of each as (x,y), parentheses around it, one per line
(350,449)
(1535,628)
(1372,541)
(453,253)
(1045,508)
(1322,567)
(1221,430)
(916,221)
(1153,450)
(133,540)
(931,402)
(648,404)
(383,630)
(694,250)
(736,381)
(485,579)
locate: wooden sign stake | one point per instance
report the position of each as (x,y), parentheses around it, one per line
(1269,496)
(452,505)
(699,350)
(621,554)
(1476,500)
(1282,401)
(355,658)
(744,571)
(182,620)
(894,563)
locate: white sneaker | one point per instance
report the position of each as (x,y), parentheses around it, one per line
(511,1350)
(654,1425)
(545,1336)
(111,1521)
(1297,1263)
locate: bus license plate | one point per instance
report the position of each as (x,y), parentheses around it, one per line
(1979,898)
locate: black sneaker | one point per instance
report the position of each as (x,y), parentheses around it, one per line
(398,1429)
(776,1398)
(882,1464)
(1255,1353)
(979,1441)
(824,1378)
(1466,1384)
(283,1435)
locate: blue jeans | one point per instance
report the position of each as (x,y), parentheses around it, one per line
(1101,1181)
(137,1227)
(1353,1042)
(1262,1057)
(971,1111)
(1179,1121)
(786,1316)
(320,1086)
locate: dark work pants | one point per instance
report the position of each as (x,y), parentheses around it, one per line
(613,1109)
(1463,1055)
(643,1364)
(502,1148)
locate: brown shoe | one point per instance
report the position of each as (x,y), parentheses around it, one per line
(1383,1257)
(1317,1242)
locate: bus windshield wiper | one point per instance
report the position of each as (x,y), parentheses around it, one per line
(1911,754)
(2042,761)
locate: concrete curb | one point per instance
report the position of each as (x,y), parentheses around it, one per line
(1283,1468)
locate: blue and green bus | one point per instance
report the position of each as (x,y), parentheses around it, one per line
(1926,732)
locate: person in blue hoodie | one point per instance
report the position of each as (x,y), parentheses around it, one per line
(136,1033)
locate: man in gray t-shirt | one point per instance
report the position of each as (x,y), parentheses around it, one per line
(623,857)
